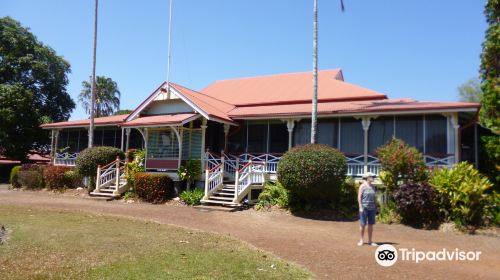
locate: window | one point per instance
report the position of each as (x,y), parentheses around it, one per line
(237,139)
(162,144)
(435,135)
(302,133)
(328,132)
(351,137)
(257,137)
(410,130)
(278,138)
(380,132)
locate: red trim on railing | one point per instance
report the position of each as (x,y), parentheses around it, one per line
(215,167)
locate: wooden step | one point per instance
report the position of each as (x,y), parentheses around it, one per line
(210,208)
(221,202)
(221,198)
(224,193)
(103,194)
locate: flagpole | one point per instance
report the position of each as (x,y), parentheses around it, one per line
(92,105)
(169,47)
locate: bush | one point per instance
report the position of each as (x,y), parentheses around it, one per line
(401,163)
(489,163)
(415,203)
(193,197)
(73,179)
(54,176)
(155,188)
(190,171)
(88,160)
(388,213)
(273,194)
(135,164)
(31,179)
(313,173)
(346,203)
(14,177)
(462,192)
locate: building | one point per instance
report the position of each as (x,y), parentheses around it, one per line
(231,122)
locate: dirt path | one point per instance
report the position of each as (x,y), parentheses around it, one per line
(326,248)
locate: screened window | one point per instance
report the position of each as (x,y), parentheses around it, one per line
(351,137)
(257,137)
(328,132)
(380,132)
(278,138)
(410,129)
(435,134)
(302,133)
(237,139)
(162,144)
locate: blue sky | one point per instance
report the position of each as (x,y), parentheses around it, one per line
(420,49)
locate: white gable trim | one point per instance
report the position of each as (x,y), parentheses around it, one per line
(156,93)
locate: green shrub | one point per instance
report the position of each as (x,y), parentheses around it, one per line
(54,177)
(273,194)
(462,192)
(193,197)
(492,209)
(415,203)
(129,195)
(346,202)
(72,179)
(489,163)
(313,174)
(134,165)
(401,164)
(155,188)
(388,214)
(31,179)
(14,177)
(190,171)
(88,160)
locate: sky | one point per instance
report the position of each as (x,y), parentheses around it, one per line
(420,49)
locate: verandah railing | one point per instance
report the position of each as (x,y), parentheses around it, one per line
(356,166)
(67,159)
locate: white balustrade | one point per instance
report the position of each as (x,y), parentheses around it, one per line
(67,159)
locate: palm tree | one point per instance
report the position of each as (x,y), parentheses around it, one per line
(314,113)
(107,97)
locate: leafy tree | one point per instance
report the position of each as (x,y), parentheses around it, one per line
(107,96)
(490,69)
(19,122)
(33,79)
(123,112)
(470,91)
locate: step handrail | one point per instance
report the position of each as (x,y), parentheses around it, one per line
(109,172)
(250,174)
(214,179)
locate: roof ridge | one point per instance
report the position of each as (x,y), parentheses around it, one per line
(273,75)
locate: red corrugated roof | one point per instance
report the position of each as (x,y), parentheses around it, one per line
(103,121)
(176,119)
(387,105)
(287,88)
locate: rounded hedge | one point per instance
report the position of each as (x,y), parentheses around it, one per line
(313,173)
(88,159)
(155,188)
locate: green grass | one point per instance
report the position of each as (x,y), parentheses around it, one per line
(49,244)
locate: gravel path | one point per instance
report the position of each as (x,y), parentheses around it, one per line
(326,248)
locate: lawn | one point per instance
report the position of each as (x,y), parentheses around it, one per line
(73,245)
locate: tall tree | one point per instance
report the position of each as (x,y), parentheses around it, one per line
(30,72)
(470,91)
(107,97)
(490,69)
(314,111)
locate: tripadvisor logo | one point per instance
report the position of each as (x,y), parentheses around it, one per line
(387,255)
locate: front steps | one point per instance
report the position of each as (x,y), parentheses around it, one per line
(222,197)
(109,190)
